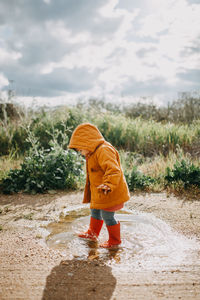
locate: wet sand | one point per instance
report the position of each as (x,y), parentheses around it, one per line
(31,268)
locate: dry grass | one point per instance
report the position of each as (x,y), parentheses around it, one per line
(7,163)
(158,165)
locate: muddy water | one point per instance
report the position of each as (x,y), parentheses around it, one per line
(148,243)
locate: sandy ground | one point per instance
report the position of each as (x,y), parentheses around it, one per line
(31,270)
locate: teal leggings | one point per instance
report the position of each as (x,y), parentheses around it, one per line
(107,216)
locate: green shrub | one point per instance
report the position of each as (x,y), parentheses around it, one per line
(138,181)
(45,169)
(183,171)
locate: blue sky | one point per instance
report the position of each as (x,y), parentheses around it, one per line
(119,50)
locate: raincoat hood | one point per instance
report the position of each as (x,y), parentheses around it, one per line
(86,137)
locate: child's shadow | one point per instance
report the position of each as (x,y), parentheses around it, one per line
(80,280)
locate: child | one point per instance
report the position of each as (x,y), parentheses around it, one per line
(106,187)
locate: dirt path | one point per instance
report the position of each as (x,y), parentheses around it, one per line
(31,270)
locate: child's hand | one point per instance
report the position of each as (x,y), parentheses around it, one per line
(104,188)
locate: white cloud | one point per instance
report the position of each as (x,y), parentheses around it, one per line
(175,26)
(61,32)
(8,56)
(108,9)
(3,81)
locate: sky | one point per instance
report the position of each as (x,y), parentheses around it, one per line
(117,50)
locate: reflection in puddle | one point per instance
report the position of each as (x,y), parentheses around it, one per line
(147,242)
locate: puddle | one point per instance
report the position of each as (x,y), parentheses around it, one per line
(147,242)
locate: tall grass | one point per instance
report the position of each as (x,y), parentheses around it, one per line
(146,137)
(13,134)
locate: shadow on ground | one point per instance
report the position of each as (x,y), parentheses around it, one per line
(80,280)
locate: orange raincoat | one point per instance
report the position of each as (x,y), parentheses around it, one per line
(103,167)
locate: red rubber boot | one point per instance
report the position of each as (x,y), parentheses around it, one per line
(93,231)
(114,237)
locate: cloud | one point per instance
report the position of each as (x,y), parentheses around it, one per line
(8,55)
(193,1)
(191,77)
(107,48)
(3,81)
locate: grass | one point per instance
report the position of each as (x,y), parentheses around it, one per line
(8,162)
(159,163)
(147,137)
(155,167)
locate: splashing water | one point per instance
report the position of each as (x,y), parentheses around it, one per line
(148,243)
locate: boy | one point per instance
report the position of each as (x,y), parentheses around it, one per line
(106,187)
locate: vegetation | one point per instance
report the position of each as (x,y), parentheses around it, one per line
(185,109)
(183,171)
(146,137)
(159,147)
(136,180)
(44,170)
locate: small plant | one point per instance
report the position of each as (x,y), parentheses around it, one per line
(184,172)
(38,236)
(136,180)
(28,216)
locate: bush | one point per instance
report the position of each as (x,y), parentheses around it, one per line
(43,170)
(137,180)
(183,171)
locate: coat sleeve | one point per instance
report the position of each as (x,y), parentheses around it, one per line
(108,161)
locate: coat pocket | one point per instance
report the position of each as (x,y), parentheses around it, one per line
(93,170)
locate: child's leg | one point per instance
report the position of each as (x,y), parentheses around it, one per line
(96,214)
(109,217)
(95,226)
(113,228)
